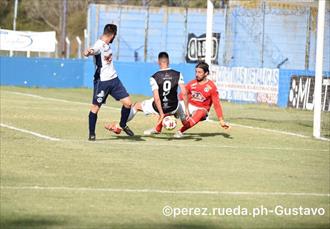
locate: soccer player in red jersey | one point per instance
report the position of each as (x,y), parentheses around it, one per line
(202,93)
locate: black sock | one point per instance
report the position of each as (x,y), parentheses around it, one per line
(92,122)
(124,116)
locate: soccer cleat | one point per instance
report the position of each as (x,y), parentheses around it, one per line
(178,134)
(91,137)
(128,131)
(151,132)
(113,127)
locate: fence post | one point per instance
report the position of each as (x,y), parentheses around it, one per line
(146,31)
(79,47)
(56,48)
(263,33)
(86,40)
(67,41)
(209,35)
(308,38)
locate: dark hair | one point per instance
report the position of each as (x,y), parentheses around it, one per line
(162,55)
(203,66)
(110,29)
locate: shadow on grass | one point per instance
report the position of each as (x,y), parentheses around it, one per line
(32,222)
(189,136)
(166,136)
(135,138)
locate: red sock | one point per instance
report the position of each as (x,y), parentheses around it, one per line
(159,127)
(192,121)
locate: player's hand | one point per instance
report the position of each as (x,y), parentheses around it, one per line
(224,125)
(187,113)
(88,52)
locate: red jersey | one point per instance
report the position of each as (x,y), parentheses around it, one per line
(204,95)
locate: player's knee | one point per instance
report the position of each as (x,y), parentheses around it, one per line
(95,108)
(127,102)
(127,105)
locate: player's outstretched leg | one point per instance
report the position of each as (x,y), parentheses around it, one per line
(190,122)
(155,130)
(135,108)
(125,111)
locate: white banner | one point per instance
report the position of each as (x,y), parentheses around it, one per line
(27,41)
(257,85)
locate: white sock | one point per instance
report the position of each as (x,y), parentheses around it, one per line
(132,113)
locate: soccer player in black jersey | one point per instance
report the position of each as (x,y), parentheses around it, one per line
(164,85)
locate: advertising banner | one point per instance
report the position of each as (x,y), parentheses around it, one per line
(27,41)
(256,85)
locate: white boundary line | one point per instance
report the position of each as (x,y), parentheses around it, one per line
(152,144)
(57,100)
(125,190)
(30,132)
(272,131)
(238,125)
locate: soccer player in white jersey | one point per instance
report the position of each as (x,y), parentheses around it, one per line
(164,85)
(107,82)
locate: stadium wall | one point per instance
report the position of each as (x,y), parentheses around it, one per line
(70,73)
(41,72)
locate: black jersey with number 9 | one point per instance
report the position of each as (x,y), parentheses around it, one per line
(167,81)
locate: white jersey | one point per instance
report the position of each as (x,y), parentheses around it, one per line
(104,69)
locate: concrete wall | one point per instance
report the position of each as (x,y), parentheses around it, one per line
(65,73)
(41,72)
(68,73)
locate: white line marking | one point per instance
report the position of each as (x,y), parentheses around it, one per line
(56,100)
(272,131)
(233,124)
(143,144)
(30,132)
(156,144)
(324,139)
(125,190)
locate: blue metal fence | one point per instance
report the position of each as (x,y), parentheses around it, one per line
(262,36)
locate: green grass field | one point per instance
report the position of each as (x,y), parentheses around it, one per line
(123,182)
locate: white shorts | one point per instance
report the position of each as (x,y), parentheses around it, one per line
(148,109)
(192,109)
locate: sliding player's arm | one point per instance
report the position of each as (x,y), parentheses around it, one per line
(154,88)
(159,106)
(218,109)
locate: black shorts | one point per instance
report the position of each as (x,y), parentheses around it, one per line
(113,87)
